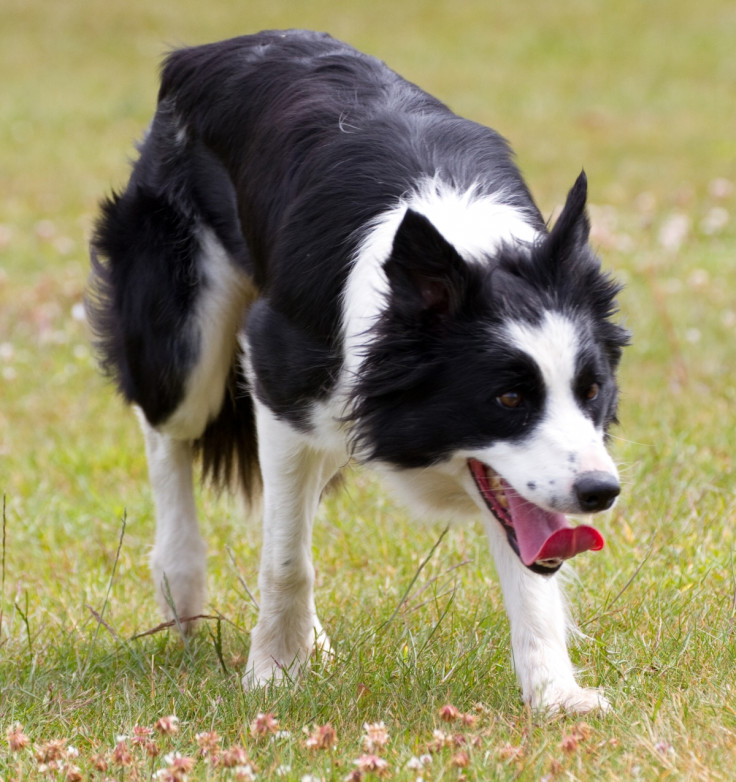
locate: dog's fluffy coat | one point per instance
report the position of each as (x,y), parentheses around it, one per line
(315,260)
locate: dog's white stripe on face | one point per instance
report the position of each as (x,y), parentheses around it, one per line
(553,345)
(542,467)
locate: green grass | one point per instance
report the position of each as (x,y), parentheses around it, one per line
(641,94)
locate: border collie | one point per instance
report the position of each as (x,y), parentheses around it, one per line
(315,261)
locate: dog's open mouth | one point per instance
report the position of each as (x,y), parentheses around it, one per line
(541,538)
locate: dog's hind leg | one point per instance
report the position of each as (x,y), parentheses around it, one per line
(294,475)
(178,559)
(172,345)
(170,284)
(539,626)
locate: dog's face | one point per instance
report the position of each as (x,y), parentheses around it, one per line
(503,369)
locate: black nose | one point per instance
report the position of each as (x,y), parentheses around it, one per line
(596,490)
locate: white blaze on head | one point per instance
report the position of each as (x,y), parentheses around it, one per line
(553,344)
(565,442)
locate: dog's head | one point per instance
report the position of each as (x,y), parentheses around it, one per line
(504,364)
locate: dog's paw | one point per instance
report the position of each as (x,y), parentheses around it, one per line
(274,665)
(267,670)
(573,700)
(181,591)
(262,675)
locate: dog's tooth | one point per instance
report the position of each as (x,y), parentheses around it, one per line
(550,563)
(495,482)
(502,501)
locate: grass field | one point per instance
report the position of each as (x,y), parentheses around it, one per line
(642,96)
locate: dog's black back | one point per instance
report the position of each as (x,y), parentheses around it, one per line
(260,137)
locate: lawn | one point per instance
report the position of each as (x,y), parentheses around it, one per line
(639,94)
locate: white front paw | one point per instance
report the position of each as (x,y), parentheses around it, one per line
(273,660)
(571,698)
(262,671)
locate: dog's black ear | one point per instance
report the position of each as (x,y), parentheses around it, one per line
(425,271)
(572,229)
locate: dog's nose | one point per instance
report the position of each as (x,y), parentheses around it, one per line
(596,490)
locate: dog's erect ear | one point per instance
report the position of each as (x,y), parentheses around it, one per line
(572,229)
(425,271)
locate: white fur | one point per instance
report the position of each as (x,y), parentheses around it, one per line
(294,475)
(178,559)
(224,294)
(476,225)
(565,443)
(539,626)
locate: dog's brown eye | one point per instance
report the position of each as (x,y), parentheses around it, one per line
(510,399)
(592,392)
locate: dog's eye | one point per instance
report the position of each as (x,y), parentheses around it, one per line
(592,392)
(510,399)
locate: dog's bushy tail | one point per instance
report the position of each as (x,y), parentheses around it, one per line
(228,447)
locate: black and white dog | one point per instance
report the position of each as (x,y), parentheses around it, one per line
(313,261)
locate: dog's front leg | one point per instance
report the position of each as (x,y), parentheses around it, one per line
(539,623)
(288,629)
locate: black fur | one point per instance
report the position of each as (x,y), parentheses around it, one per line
(229,444)
(441,340)
(308,237)
(287,145)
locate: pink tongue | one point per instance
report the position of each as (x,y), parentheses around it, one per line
(545,535)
